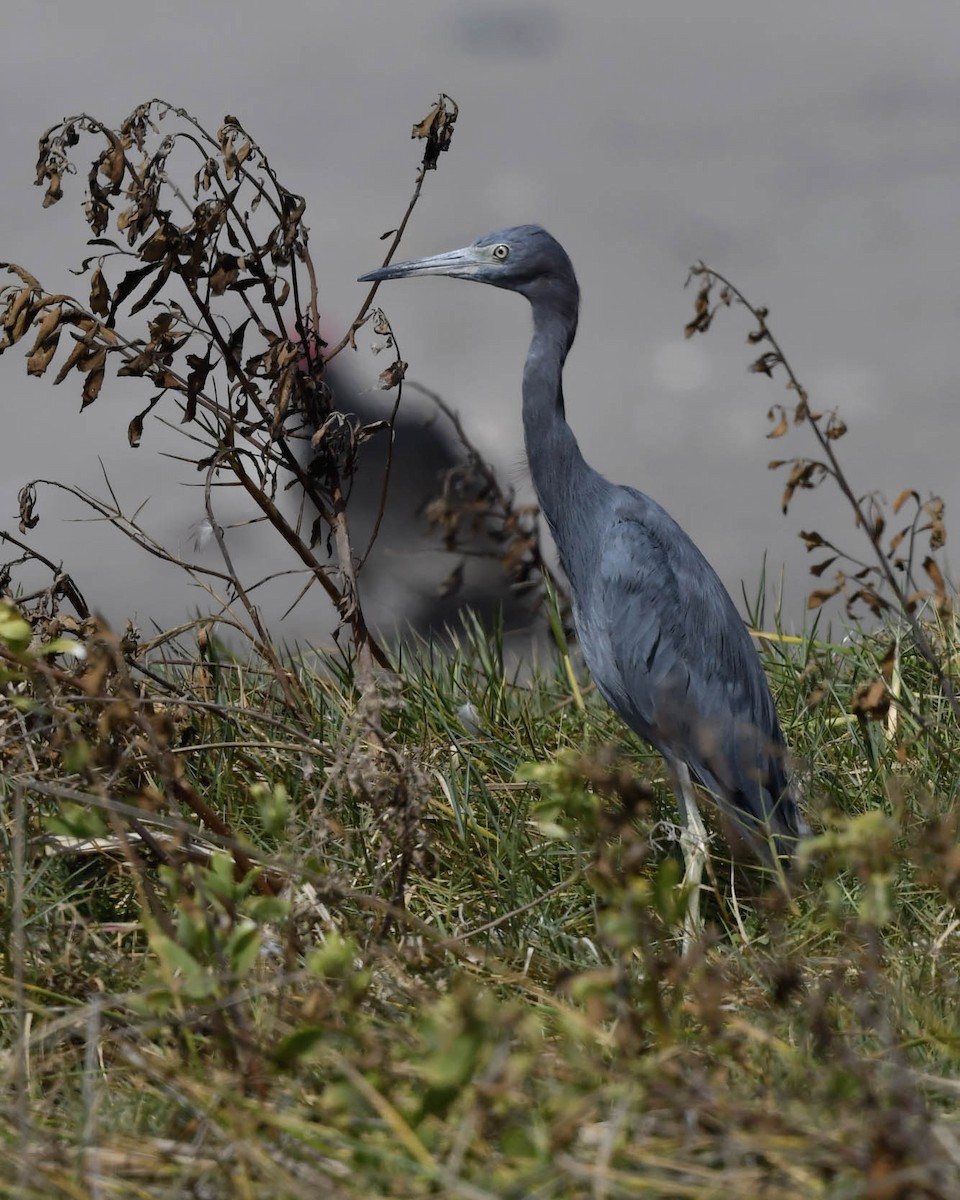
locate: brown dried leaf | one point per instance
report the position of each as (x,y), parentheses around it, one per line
(168,379)
(128,284)
(28,515)
(96,211)
(42,355)
(160,327)
(91,387)
(99,293)
(30,280)
(235,349)
(94,358)
(137,364)
(934,508)
(135,428)
(816,695)
(196,382)
(18,307)
(821,596)
(835,427)
(282,398)
(932,569)
(366,432)
(391,377)
(699,324)
(233,156)
(904,496)
(47,324)
(873,517)
(873,600)
(453,582)
(778,411)
(806,473)
(812,539)
(54,190)
(204,178)
(819,568)
(225,273)
(112,162)
(74,359)
(765,364)
(437,128)
(154,289)
(871,701)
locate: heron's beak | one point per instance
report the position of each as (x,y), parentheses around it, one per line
(461,264)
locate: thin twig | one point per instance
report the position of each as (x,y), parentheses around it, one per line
(361,317)
(826,447)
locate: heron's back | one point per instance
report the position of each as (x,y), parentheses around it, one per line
(672,656)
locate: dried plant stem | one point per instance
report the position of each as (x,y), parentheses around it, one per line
(764,333)
(437,129)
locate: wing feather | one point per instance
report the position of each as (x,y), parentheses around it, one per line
(673,658)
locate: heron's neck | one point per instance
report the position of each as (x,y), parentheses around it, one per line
(556,464)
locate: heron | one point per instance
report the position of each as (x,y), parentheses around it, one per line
(659,633)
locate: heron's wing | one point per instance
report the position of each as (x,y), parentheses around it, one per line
(676,661)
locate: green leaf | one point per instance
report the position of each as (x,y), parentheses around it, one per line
(76,820)
(335,958)
(274,807)
(243,947)
(15,632)
(298,1045)
(266,909)
(63,645)
(183,973)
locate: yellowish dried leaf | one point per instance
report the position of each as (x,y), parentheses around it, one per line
(42,355)
(904,496)
(46,325)
(782,425)
(73,359)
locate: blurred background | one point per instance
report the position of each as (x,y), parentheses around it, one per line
(811,152)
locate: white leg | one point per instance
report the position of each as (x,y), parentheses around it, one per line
(693,843)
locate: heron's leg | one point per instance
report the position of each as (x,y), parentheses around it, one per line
(693,843)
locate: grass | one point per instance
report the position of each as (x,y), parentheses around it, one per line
(433,945)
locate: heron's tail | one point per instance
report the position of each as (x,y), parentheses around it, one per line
(764,816)
(773,819)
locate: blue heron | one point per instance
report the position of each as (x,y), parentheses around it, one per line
(659,632)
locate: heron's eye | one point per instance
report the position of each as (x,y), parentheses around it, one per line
(501,252)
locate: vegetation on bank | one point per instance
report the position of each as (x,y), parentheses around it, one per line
(407,921)
(394,959)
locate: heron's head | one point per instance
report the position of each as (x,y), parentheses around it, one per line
(524,259)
